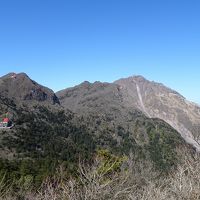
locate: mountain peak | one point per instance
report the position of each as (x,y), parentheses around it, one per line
(14,73)
(134,78)
(9,75)
(85,83)
(135,93)
(21,88)
(22,74)
(139,77)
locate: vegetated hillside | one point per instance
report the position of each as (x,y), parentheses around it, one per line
(117,178)
(124,96)
(41,140)
(45,136)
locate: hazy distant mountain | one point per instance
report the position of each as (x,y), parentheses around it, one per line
(125,96)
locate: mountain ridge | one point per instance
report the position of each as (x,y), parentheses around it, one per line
(154,99)
(88,118)
(115,100)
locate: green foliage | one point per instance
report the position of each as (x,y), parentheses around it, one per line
(110,163)
(43,140)
(162,149)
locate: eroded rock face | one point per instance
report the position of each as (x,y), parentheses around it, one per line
(158,101)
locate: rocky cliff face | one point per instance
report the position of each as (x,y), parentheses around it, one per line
(125,96)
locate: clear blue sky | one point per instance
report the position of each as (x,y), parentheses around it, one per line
(60,43)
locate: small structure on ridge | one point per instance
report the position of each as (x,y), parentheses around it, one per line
(6,123)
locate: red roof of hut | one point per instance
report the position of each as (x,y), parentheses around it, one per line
(5,120)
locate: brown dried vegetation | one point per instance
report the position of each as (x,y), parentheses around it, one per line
(131,180)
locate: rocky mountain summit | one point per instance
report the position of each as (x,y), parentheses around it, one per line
(158,101)
(21,89)
(125,96)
